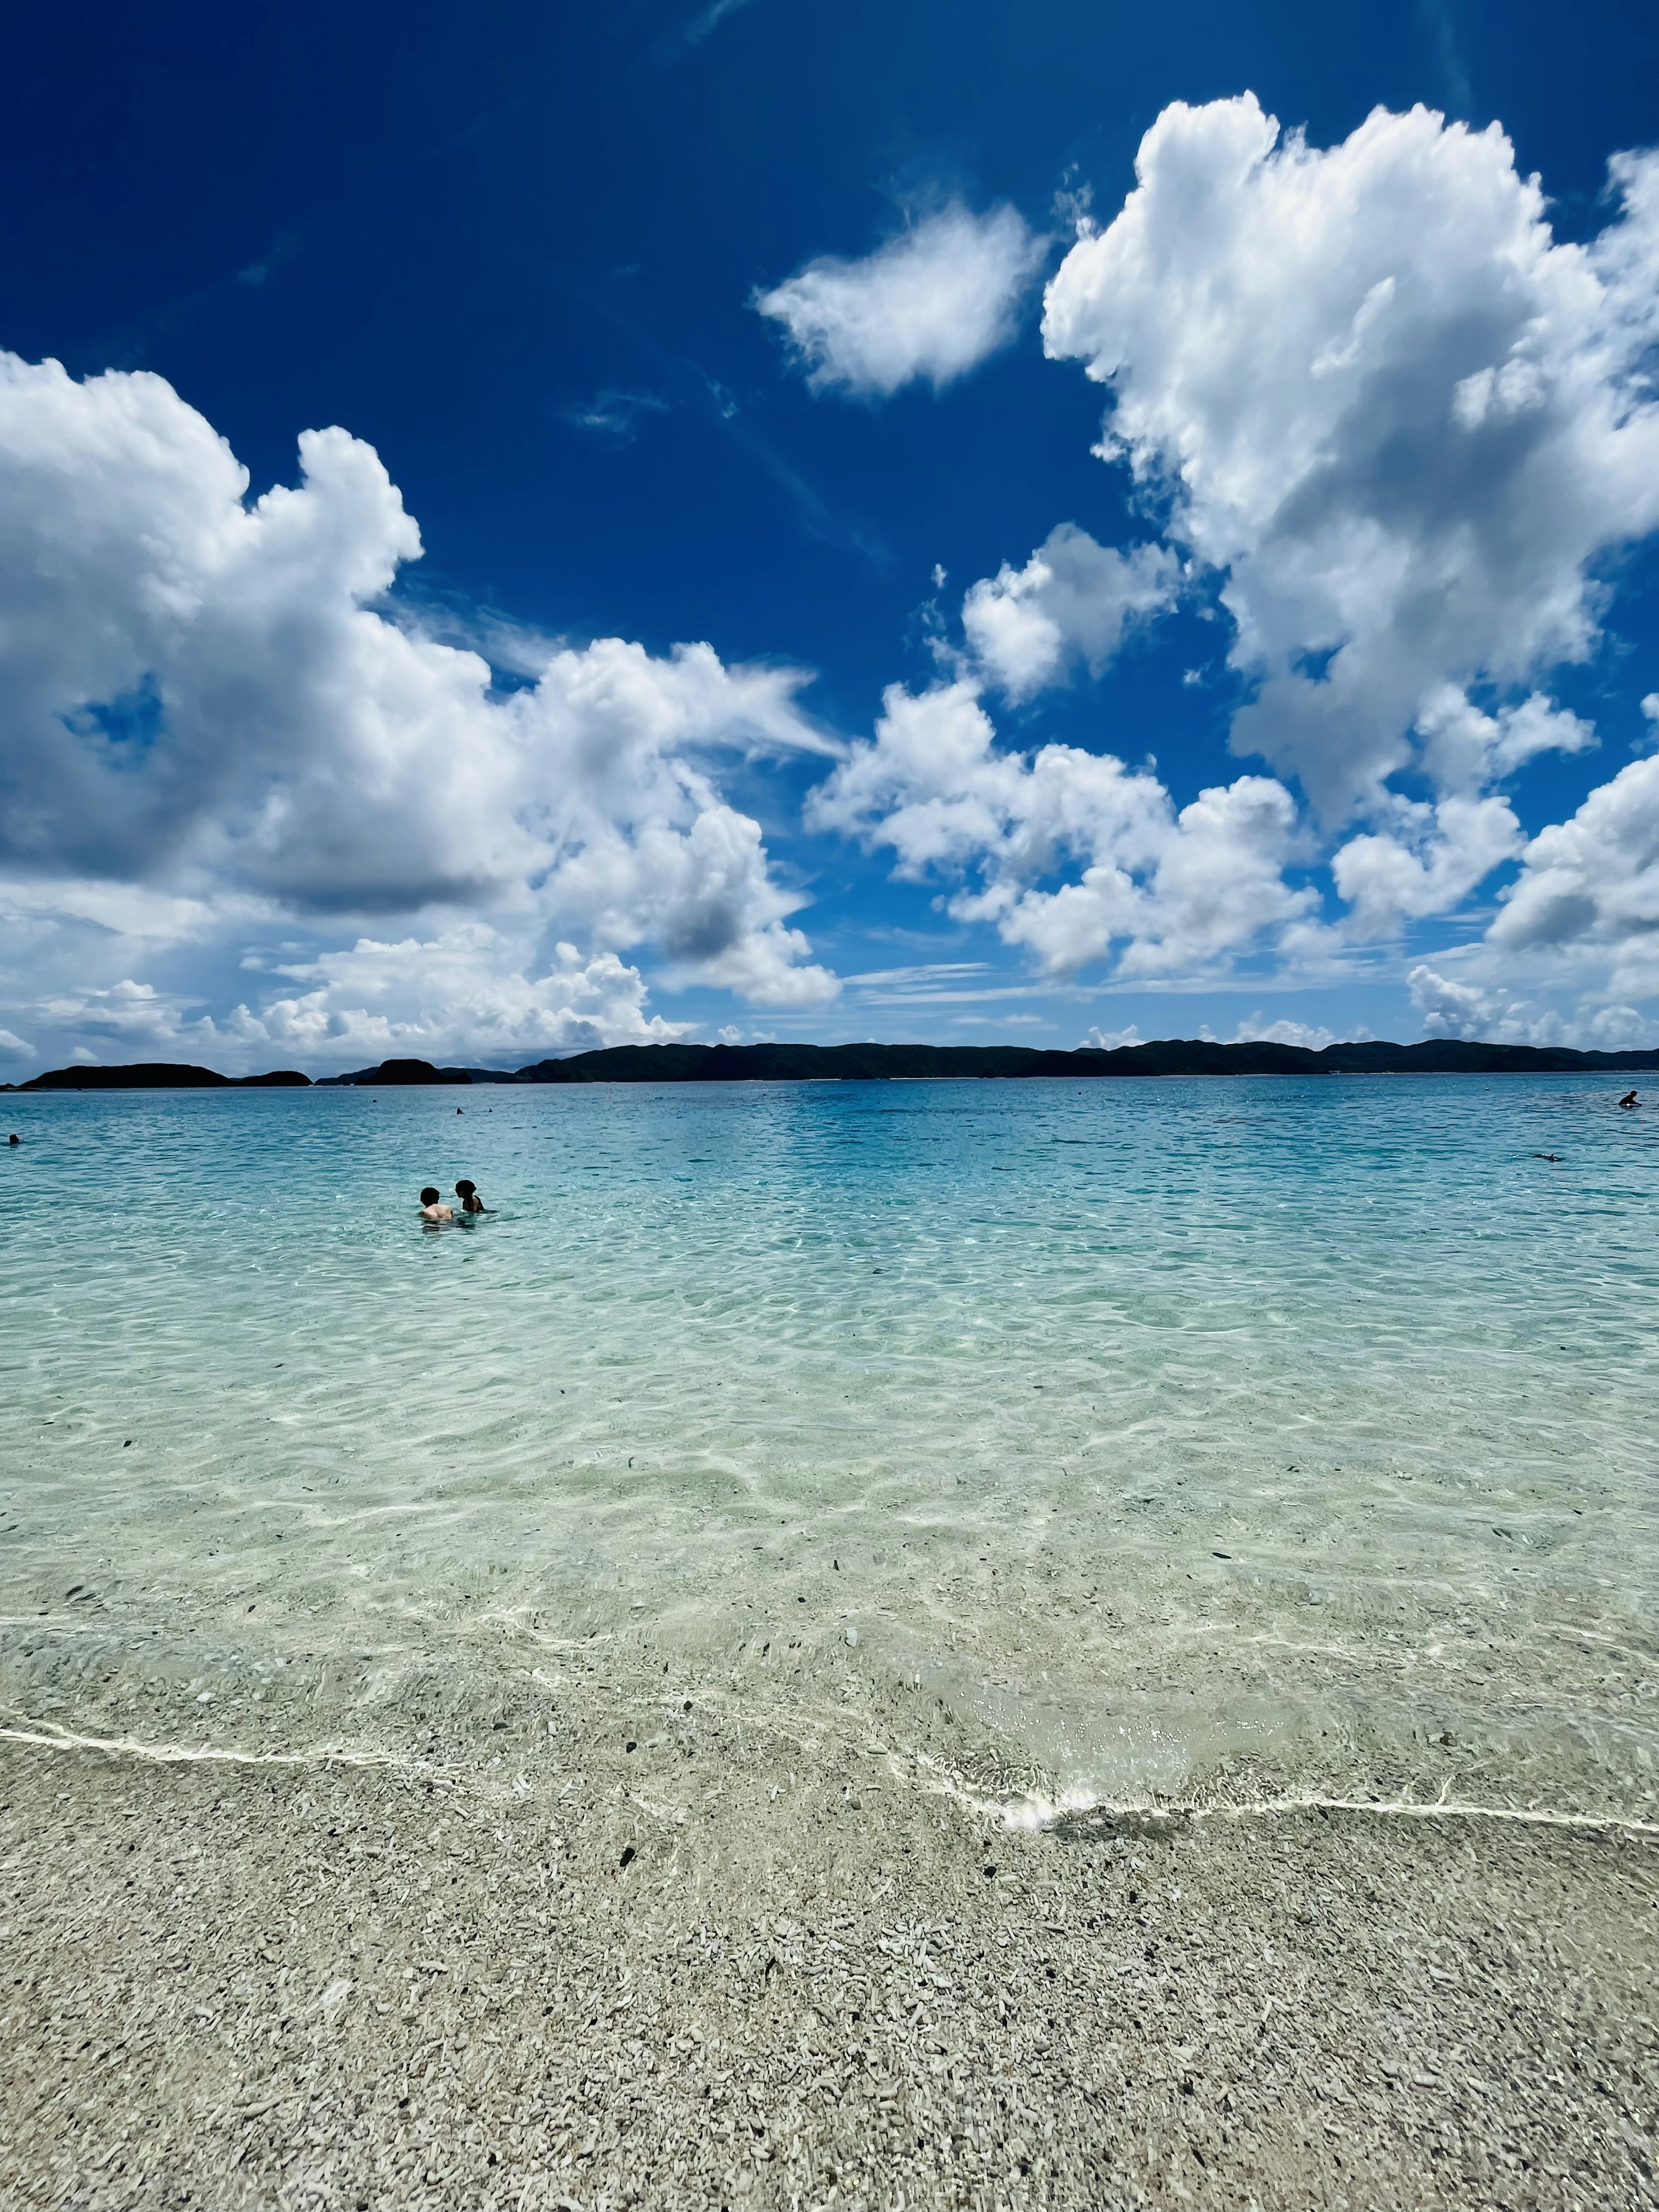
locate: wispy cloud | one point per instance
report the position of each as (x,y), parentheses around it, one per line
(711,19)
(937,971)
(813,513)
(699,29)
(614,414)
(927,995)
(703,395)
(1436,18)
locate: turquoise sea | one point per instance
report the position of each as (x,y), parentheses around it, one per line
(1103,1443)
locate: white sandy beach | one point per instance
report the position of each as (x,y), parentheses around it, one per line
(811,1983)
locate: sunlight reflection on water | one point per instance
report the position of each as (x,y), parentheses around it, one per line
(1149,1424)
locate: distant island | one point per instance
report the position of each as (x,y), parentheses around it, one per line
(159,1075)
(876,1063)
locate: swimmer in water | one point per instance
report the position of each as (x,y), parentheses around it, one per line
(1629,1099)
(432,1209)
(1553,1158)
(467,1191)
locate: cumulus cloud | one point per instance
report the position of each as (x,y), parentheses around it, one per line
(1426,863)
(465,994)
(1588,892)
(1368,400)
(1401,421)
(1251,1030)
(930,304)
(473,992)
(1311,1037)
(208,704)
(1398,428)
(1462,748)
(1161,891)
(1454,1009)
(127,1012)
(1073,600)
(1491,1013)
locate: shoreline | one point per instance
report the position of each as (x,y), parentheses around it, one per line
(238,1985)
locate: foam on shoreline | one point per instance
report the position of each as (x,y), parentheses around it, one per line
(257,1981)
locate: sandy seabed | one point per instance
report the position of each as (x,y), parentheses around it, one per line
(682,1965)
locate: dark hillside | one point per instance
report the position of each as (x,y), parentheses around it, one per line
(876,1063)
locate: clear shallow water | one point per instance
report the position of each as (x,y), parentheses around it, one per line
(1101,1437)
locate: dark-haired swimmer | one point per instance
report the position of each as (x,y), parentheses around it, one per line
(433,1208)
(1629,1099)
(467,1191)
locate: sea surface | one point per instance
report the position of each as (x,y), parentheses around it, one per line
(1116,1443)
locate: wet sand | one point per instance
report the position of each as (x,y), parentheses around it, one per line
(716,1970)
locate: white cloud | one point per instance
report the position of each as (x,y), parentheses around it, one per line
(700,892)
(1168,892)
(1380,398)
(927,972)
(701,26)
(1572,954)
(1397,426)
(615,415)
(1401,428)
(1099,1040)
(1427,863)
(1312,1037)
(931,303)
(209,715)
(1490,1013)
(1073,599)
(1588,893)
(1463,749)
(15,1047)
(471,994)
(130,1011)
(463,996)
(1449,1008)
(1454,1009)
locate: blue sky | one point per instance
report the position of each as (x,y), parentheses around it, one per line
(728,330)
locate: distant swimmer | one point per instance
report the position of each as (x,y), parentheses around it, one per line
(467,1191)
(13,1139)
(1555,1157)
(1629,1099)
(433,1208)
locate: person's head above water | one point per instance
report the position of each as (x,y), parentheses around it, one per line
(430,1197)
(465,1186)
